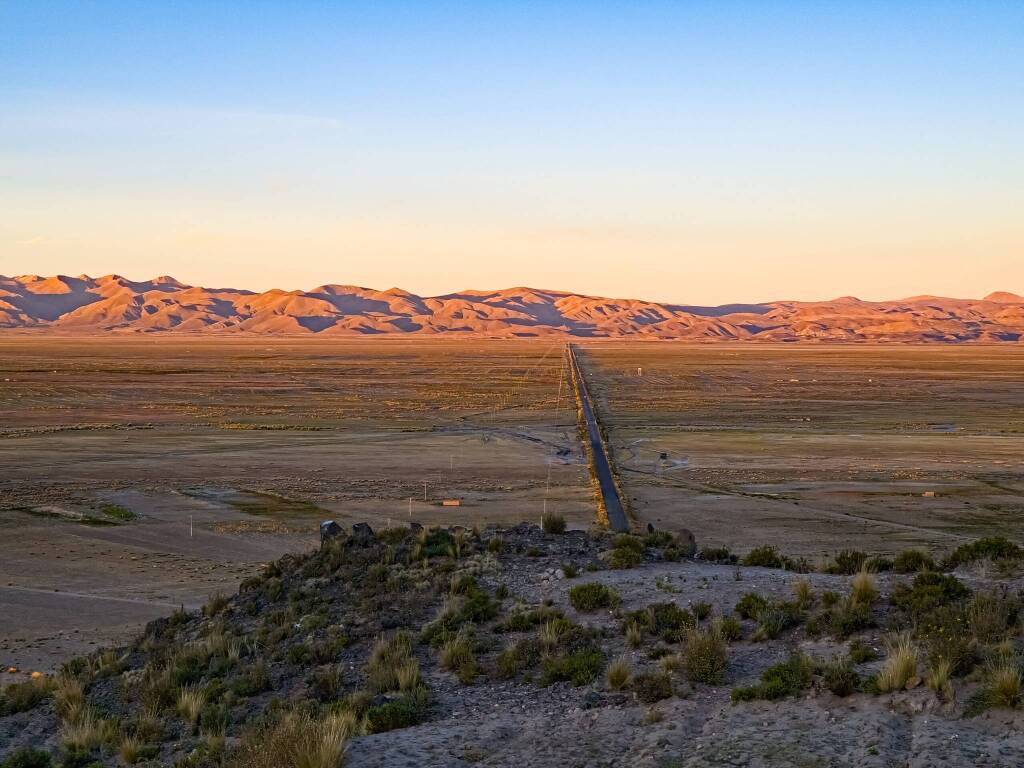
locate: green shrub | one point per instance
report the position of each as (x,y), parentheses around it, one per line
(992,548)
(26,757)
(621,559)
(848,562)
(552,522)
(776,617)
(592,597)
(517,657)
(718,555)
(705,656)
(403,712)
(764,557)
(432,542)
(652,687)
(750,605)
(861,652)
(730,628)
(579,668)
(913,561)
(928,591)
(779,681)
(21,697)
(701,610)
(496,545)
(658,539)
(944,633)
(990,614)
(840,677)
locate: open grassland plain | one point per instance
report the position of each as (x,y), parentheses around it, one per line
(816,449)
(140,475)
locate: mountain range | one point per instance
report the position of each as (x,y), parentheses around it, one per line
(86,305)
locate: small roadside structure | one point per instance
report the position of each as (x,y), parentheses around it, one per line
(451,502)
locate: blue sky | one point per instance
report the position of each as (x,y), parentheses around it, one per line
(697,152)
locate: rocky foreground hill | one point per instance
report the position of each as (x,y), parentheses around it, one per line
(113,303)
(527,647)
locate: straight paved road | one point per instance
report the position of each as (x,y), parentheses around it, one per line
(617,520)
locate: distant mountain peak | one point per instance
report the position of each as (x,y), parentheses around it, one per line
(115,304)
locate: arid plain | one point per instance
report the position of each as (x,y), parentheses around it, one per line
(227,453)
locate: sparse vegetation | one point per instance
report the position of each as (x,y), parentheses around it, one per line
(705,656)
(552,522)
(779,681)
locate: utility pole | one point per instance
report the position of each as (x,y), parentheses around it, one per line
(410,506)
(424,490)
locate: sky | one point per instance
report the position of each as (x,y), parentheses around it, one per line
(698,152)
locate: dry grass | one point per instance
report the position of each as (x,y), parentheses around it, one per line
(191,700)
(634,635)
(296,741)
(705,656)
(130,749)
(938,679)
(863,590)
(1003,683)
(619,674)
(388,656)
(900,665)
(802,592)
(409,676)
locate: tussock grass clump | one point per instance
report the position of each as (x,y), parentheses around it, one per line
(705,656)
(619,673)
(457,655)
(863,590)
(634,634)
(1003,683)
(191,700)
(552,522)
(592,596)
(216,604)
(938,679)
(750,605)
(295,741)
(900,666)
(847,562)
(21,697)
(802,592)
(389,654)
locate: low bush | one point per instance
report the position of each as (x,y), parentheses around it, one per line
(701,610)
(652,687)
(729,628)
(990,548)
(764,557)
(860,652)
(928,591)
(592,596)
(750,605)
(718,555)
(27,757)
(840,677)
(863,590)
(405,711)
(21,697)
(913,561)
(787,678)
(552,522)
(847,562)
(705,656)
(580,667)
